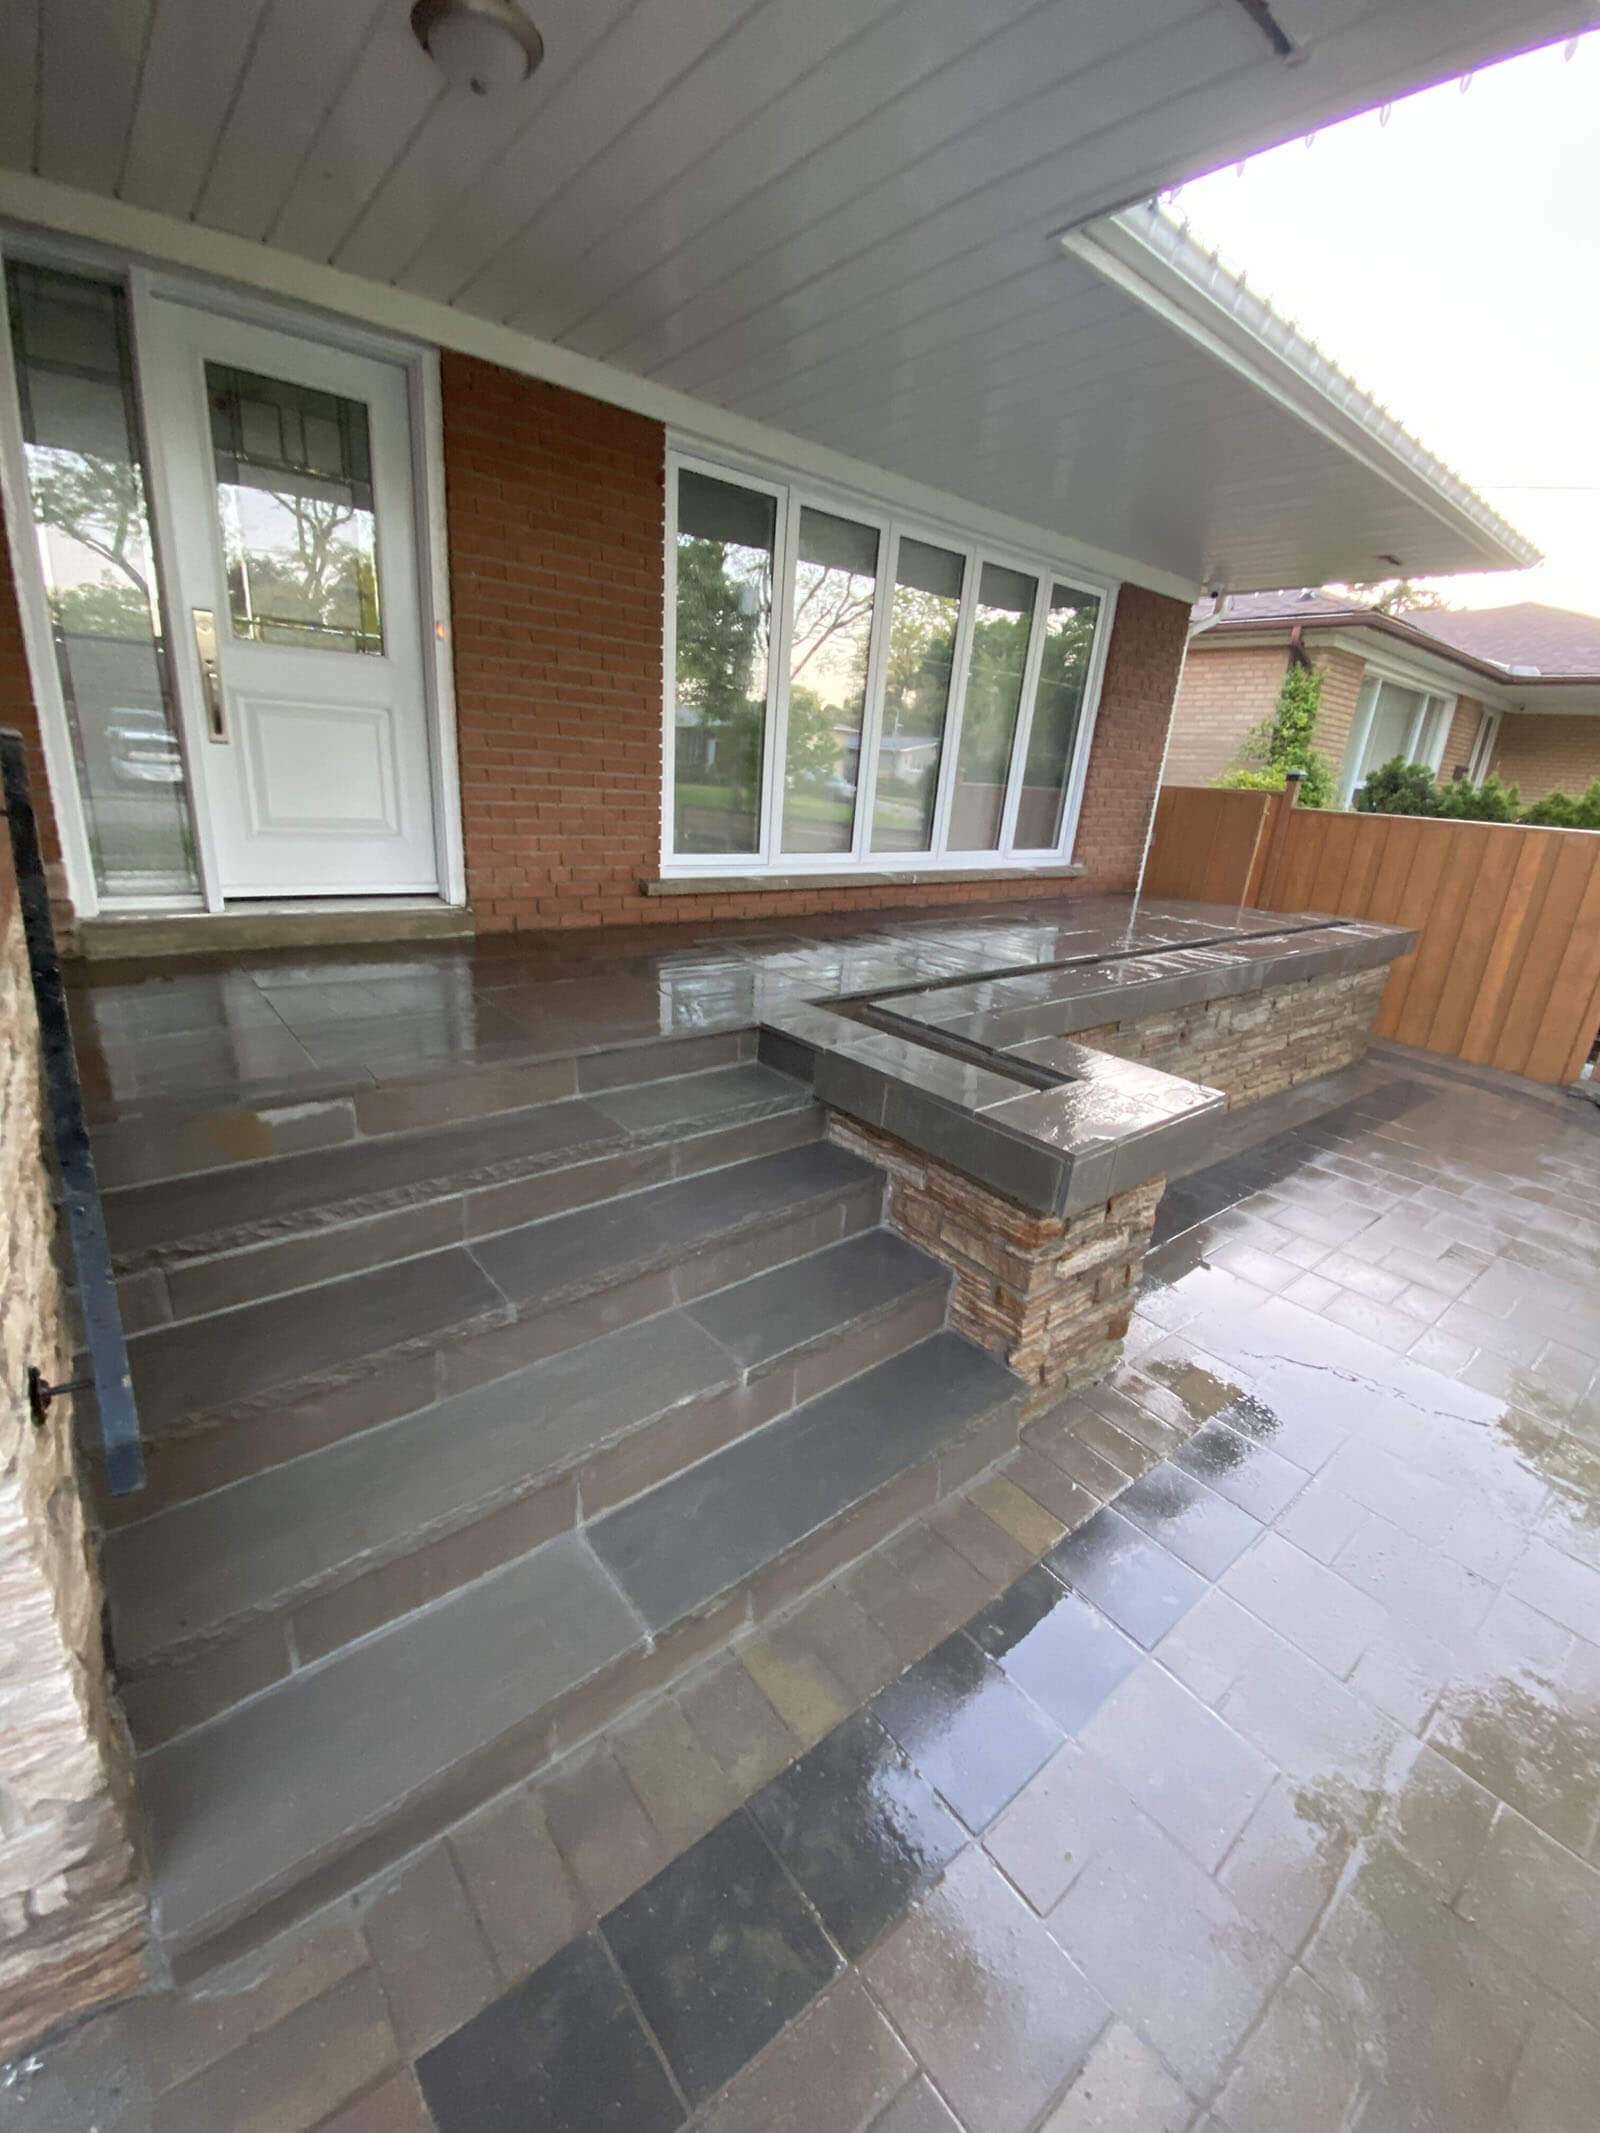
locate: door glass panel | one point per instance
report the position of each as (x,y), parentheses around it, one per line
(1057,714)
(835,581)
(989,716)
(724,629)
(86,486)
(916,695)
(295,507)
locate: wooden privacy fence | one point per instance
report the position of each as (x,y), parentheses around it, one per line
(1506,971)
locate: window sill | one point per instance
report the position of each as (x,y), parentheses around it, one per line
(898,878)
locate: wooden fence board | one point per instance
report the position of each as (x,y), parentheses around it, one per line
(1506,972)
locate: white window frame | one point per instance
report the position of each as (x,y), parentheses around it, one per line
(792,494)
(1435,702)
(1483,744)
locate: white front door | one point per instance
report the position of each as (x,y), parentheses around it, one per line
(297,621)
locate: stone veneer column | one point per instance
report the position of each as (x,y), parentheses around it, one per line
(1051,1294)
(72,1902)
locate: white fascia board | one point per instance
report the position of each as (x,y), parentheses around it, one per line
(157,240)
(1149,258)
(1414,669)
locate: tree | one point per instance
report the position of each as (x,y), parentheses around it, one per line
(1492,801)
(1284,742)
(101,611)
(812,745)
(1395,596)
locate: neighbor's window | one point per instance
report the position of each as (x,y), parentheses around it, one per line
(1392,720)
(926,700)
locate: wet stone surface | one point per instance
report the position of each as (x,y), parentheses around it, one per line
(1268,1802)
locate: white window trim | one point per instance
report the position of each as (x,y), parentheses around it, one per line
(793,492)
(1483,744)
(1435,701)
(420,365)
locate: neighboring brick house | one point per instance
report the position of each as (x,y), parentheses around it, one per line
(1511,689)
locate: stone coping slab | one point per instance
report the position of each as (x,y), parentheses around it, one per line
(982,1073)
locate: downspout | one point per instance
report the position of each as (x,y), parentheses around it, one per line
(1220,597)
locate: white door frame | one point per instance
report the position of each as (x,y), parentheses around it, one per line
(420,365)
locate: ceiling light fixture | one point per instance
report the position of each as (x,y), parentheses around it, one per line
(481,45)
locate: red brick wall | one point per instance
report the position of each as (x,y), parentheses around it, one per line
(1142,663)
(1227,690)
(1552,753)
(555,507)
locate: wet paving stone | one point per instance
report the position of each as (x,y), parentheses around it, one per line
(968,1728)
(720,1952)
(1063,1652)
(564,2052)
(1249,1474)
(1142,1587)
(858,1828)
(1201,1528)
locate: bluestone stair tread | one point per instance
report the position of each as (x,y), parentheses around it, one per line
(772,1314)
(269,1195)
(295,1528)
(568,1255)
(239,1808)
(201,1364)
(752,1501)
(204,1566)
(228,1201)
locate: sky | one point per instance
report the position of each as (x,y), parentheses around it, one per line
(1447,255)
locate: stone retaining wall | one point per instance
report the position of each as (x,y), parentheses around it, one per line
(1259,1043)
(72,1905)
(1053,1295)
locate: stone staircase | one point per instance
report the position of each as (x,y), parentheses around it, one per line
(464,1434)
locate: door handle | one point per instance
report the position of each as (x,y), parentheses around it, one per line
(205,643)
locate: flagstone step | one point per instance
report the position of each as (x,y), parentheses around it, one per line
(310,1787)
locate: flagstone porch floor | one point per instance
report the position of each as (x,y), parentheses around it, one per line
(1233,1764)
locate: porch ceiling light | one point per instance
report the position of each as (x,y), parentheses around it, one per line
(481,45)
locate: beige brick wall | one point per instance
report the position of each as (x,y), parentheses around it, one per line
(1547,754)
(72,1909)
(1343,673)
(1226,690)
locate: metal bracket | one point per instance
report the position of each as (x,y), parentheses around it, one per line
(40,1393)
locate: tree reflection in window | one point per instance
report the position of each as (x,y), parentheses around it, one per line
(86,492)
(295,506)
(1057,708)
(916,695)
(994,697)
(723,633)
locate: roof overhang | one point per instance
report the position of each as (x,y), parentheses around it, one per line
(826,236)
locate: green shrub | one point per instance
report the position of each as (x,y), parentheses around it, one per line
(1492,801)
(1558,810)
(1398,788)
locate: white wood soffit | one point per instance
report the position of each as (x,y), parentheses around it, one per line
(792,214)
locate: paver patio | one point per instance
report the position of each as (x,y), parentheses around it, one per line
(1230,1763)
